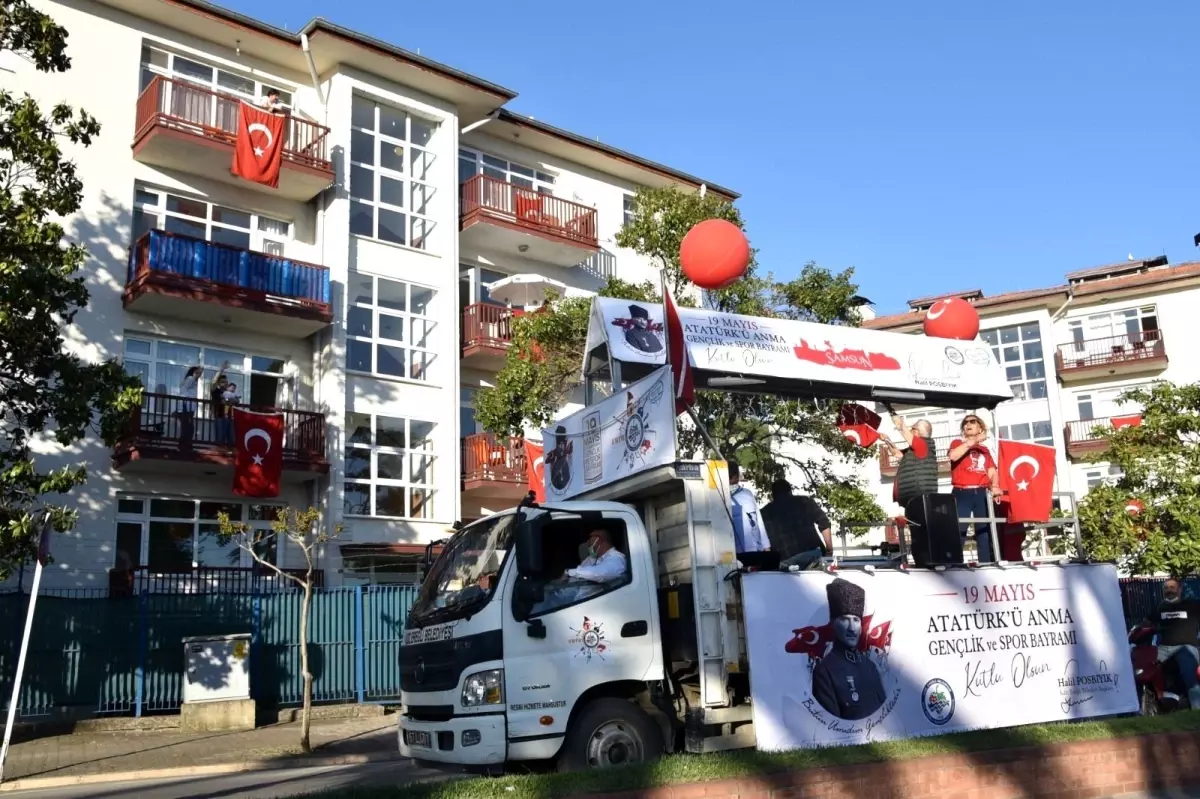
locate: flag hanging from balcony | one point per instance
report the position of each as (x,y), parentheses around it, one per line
(682,381)
(258,148)
(535,470)
(257,453)
(1027,480)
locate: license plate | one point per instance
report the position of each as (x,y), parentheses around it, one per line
(418,738)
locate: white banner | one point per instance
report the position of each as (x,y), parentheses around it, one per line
(629,432)
(857,657)
(801,351)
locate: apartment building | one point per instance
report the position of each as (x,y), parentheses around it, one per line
(1070,351)
(353,298)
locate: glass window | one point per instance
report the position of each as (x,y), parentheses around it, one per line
(156,61)
(389,467)
(390,328)
(154,209)
(472,163)
(629,209)
(259,380)
(1019,349)
(169,535)
(1037,432)
(389,173)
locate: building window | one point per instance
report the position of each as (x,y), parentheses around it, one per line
(382,569)
(1098,477)
(629,210)
(390,170)
(1134,325)
(390,327)
(154,209)
(468,425)
(261,380)
(173,535)
(472,163)
(197,106)
(1018,348)
(1037,432)
(389,467)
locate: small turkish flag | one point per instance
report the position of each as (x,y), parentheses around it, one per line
(677,354)
(861,434)
(257,453)
(854,414)
(258,149)
(810,641)
(535,468)
(1127,421)
(1027,479)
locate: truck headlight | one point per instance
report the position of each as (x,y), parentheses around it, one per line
(484,688)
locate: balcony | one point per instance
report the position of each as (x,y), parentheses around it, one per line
(500,217)
(494,470)
(156,432)
(941,444)
(1086,436)
(180,276)
(1132,353)
(203,580)
(191,128)
(486,334)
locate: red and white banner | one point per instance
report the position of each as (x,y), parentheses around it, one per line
(861,434)
(1027,480)
(1134,420)
(681,370)
(258,148)
(257,453)
(535,469)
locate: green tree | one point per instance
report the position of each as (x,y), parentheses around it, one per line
(766,434)
(1160,461)
(44,388)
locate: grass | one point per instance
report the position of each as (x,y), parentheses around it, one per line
(747,763)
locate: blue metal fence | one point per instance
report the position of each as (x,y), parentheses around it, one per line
(92,654)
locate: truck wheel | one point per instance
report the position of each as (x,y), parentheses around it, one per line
(610,732)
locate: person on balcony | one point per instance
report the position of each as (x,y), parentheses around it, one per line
(273,104)
(229,398)
(216,405)
(186,407)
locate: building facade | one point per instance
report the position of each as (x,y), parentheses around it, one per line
(1070,351)
(353,297)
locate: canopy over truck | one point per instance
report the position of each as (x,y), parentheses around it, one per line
(804,360)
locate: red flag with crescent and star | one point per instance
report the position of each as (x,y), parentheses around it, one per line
(257,453)
(861,434)
(258,148)
(535,468)
(1027,480)
(677,354)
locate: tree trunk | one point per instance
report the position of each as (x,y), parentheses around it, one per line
(306,712)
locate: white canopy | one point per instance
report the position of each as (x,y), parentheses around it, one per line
(525,290)
(796,359)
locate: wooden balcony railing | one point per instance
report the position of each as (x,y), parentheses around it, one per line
(203,580)
(528,208)
(487,325)
(941,445)
(230,267)
(1147,345)
(170,423)
(487,459)
(179,105)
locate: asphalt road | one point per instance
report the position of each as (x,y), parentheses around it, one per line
(253,785)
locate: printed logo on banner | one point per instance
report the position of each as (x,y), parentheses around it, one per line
(641,332)
(955,356)
(636,430)
(937,701)
(558,461)
(590,639)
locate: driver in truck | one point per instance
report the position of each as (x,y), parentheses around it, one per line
(601,563)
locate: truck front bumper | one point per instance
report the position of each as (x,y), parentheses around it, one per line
(465,740)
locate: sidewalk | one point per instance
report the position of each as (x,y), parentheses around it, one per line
(95,753)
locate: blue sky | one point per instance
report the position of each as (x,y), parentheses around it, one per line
(934,146)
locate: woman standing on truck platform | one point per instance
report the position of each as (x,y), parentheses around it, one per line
(972,473)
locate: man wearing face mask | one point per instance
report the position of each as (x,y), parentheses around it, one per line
(604,562)
(845,682)
(1178,623)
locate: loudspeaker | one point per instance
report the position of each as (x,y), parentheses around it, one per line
(933,527)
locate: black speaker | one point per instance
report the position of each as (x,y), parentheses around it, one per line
(933,527)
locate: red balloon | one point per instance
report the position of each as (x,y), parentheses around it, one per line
(952,318)
(714,254)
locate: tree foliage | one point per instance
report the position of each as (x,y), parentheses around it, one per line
(769,436)
(43,387)
(1160,461)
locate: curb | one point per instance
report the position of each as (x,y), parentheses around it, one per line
(30,783)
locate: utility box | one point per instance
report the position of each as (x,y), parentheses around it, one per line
(218,668)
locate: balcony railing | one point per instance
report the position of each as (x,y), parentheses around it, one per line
(941,445)
(172,424)
(1091,431)
(528,208)
(487,325)
(183,106)
(1146,345)
(487,459)
(203,580)
(240,272)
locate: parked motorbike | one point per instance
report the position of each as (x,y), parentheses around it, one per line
(1160,686)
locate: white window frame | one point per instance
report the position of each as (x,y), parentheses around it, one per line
(411,321)
(1006,432)
(1079,328)
(1106,399)
(628,210)
(267,234)
(158,60)
(145,518)
(417,201)
(472,162)
(238,373)
(409,455)
(1093,478)
(1022,387)
(466,402)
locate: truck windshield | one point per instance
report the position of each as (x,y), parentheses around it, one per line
(465,575)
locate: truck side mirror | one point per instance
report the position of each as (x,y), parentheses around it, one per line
(529,545)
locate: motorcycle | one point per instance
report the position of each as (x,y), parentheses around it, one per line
(1160,686)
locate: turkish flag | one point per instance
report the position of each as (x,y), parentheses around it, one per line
(1027,479)
(810,641)
(535,468)
(257,453)
(860,434)
(854,414)
(1127,421)
(258,148)
(681,370)
(878,636)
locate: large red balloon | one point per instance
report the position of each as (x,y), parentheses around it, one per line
(953,318)
(714,254)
